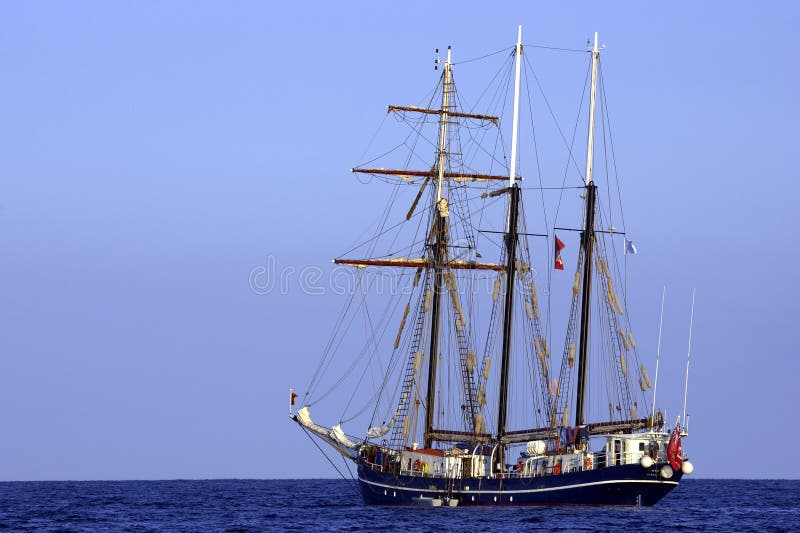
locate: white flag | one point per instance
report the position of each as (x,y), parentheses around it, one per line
(630,248)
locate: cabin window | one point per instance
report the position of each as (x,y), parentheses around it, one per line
(617,452)
(653,450)
(641,446)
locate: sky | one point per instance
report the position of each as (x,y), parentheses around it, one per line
(158,157)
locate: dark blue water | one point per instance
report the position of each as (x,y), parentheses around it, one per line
(313,505)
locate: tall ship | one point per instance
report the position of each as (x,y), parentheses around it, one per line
(442,353)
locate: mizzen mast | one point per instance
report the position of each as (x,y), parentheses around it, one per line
(587,247)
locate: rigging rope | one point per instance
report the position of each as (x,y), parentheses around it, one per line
(350,482)
(484,56)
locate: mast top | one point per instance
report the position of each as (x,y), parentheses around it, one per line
(512,173)
(443,117)
(592,97)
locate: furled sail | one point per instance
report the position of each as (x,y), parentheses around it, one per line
(334,437)
(338,435)
(379,431)
(304,418)
(376,432)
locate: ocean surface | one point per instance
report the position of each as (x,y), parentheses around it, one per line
(333,505)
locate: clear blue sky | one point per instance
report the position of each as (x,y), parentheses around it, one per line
(152,154)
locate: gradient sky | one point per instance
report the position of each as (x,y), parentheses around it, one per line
(153,154)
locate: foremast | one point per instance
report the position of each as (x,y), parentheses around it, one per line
(587,247)
(439,243)
(438,266)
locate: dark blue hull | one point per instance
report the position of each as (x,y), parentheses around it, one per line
(614,485)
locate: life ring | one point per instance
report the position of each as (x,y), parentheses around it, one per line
(588,462)
(557,468)
(520,467)
(417,466)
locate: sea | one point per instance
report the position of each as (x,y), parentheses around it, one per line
(334,505)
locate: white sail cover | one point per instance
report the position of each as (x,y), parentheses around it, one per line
(334,437)
(338,435)
(304,418)
(379,431)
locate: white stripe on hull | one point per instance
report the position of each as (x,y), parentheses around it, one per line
(547,489)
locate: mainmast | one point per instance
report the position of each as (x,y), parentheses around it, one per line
(511,250)
(587,246)
(439,251)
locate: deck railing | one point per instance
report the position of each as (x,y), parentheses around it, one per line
(569,463)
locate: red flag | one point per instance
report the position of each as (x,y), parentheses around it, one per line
(293,398)
(559,246)
(674,449)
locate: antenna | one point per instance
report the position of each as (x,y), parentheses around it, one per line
(688,357)
(658,352)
